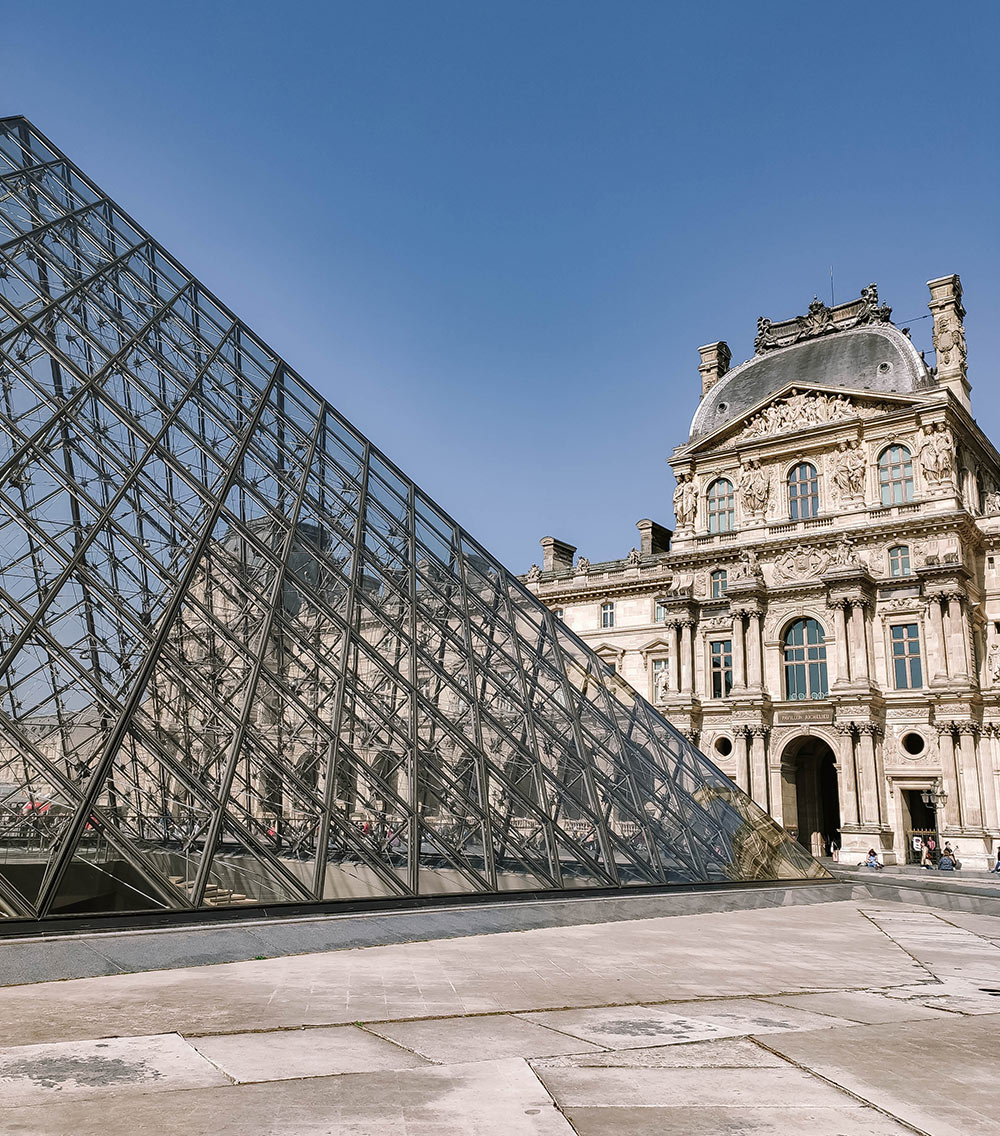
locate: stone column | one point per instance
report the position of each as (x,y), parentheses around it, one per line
(675,669)
(957,636)
(987,777)
(940,646)
(739,652)
(687,656)
(758,766)
(952,815)
(840,632)
(741,734)
(847,779)
(870,790)
(968,775)
(859,643)
(755,657)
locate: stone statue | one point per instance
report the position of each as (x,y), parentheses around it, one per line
(993,662)
(748,566)
(661,687)
(583,565)
(848,469)
(685,501)
(944,445)
(754,486)
(846,555)
(992,506)
(634,558)
(534,574)
(927,453)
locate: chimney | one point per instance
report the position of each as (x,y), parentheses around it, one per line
(655,538)
(715,359)
(557,555)
(949,336)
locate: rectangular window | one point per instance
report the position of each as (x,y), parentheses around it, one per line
(907,671)
(558,612)
(607,615)
(722,667)
(659,611)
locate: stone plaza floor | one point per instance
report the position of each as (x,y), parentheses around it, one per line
(853,1018)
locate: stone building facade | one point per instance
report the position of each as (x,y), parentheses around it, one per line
(824,618)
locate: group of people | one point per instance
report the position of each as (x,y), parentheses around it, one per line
(944,861)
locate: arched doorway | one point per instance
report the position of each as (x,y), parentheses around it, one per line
(810,797)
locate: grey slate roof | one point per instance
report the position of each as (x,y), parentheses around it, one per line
(851,360)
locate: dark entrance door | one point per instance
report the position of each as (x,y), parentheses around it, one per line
(817,799)
(921,822)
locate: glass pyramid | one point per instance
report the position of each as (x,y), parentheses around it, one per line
(244,660)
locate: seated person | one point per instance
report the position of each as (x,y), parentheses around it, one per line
(871,860)
(947,861)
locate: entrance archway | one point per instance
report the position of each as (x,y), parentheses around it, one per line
(810,795)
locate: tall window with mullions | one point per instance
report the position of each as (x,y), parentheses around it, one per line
(805,661)
(803,492)
(907,672)
(895,475)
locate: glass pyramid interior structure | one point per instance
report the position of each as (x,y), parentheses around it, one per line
(245,661)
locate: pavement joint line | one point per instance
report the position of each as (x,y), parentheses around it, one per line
(841,1088)
(545,1090)
(898,945)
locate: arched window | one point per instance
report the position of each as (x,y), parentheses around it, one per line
(721,510)
(805,660)
(803,492)
(895,475)
(720,583)
(899,560)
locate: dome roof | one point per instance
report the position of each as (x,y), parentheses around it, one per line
(876,358)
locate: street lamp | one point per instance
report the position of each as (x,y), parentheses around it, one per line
(935,796)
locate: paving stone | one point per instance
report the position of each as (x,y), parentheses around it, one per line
(846,1120)
(22,963)
(733,1053)
(941,1077)
(688,1088)
(481,1038)
(499,1098)
(38,1074)
(319,1052)
(628,1027)
(859,1006)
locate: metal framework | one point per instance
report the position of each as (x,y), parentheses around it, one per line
(245,660)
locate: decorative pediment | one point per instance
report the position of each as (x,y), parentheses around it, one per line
(801,409)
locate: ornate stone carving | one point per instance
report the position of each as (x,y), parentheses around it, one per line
(993,662)
(583,565)
(798,410)
(534,574)
(991,506)
(754,486)
(746,568)
(847,465)
(821,320)
(801,563)
(634,558)
(661,685)
(949,341)
(685,501)
(936,451)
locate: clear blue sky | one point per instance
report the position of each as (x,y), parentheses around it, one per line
(494,235)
